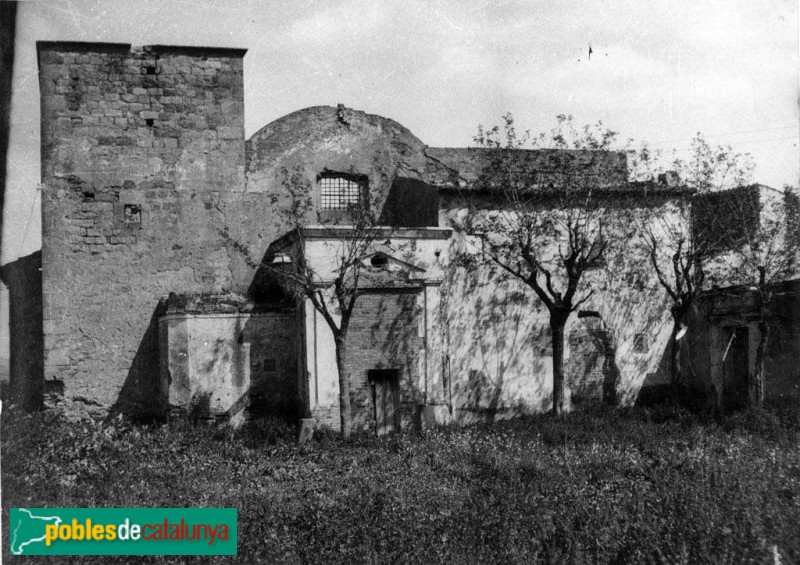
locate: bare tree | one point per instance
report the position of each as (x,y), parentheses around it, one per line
(676,253)
(761,249)
(332,285)
(677,260)
(665,232)
(728,233)
(712,168)
(551,226)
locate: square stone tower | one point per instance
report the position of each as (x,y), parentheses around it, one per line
(140,147)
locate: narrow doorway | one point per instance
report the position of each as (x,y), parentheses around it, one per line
(386,399)
(736,369)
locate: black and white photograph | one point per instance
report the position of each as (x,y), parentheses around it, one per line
(350,281)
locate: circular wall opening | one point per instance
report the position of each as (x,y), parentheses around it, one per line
(379,260)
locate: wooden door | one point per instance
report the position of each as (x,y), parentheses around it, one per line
(386,399)
(736,369)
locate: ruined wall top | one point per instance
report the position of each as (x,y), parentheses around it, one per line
(99,47)
(480,168)
(114,115)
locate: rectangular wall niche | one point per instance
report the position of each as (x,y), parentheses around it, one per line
(640,343)
(132,214)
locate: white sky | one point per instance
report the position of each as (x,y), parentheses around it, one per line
(660,71)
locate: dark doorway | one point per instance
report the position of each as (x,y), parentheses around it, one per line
(736,368)
(386,399)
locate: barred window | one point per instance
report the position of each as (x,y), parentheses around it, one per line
(339,192)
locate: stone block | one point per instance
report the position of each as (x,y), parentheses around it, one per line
(228,132)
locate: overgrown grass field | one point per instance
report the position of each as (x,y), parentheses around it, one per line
(624,486)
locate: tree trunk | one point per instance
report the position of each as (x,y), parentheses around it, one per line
(558,320)
(674,357)
(675,352)
(344,387)
(757,393)
(757,388)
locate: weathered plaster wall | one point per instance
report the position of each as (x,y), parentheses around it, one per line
(217,365)
(498,362)
(323,138)
(498,335)
(286,157)
(140,150)
(323,383)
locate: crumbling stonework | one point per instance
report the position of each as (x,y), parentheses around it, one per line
(139,149)
(149,189)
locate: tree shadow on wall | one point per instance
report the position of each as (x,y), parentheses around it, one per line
(143,397)
(603,354)
(498,310)
(656,387)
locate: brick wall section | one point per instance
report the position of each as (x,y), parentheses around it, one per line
(273,365)
(591,369)
(383,334)
(140,150)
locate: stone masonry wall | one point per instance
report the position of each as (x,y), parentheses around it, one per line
(141,150)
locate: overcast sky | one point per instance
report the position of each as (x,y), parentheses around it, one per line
(660,70)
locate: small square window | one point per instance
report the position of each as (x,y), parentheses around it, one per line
(340,192)
(132,214)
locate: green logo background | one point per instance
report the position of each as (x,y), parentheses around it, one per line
(27,531)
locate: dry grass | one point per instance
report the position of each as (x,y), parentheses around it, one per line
(635,486)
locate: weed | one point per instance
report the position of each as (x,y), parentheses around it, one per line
(657,485)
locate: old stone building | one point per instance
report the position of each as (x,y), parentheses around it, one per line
(724,331)
(157,214)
